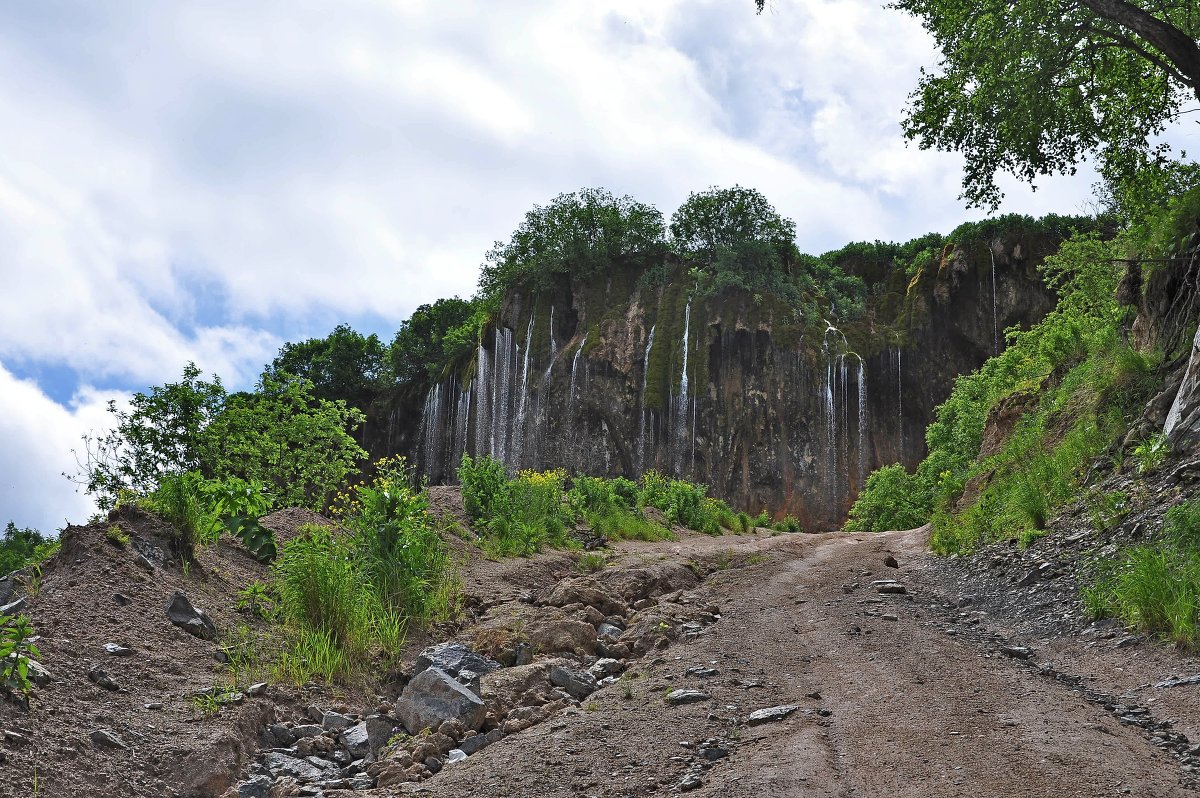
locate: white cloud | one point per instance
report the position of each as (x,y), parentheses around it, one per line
(36,437)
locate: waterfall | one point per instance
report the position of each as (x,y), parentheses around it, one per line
(681,411)
(523,399)
(553,343)
(862,424)
(900,399)
(483,409)
(462,419)
(502,394)
(641,451)
(431,431)
(574,371)
(995,319)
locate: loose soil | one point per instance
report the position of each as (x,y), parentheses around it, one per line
(905,694)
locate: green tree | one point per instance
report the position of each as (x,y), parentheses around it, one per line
(1032,87)
(284,436)
(580,233)
(432,337)
(18,547)
(343,365)
(161,433)
(733,229)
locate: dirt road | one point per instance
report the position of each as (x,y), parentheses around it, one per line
(889,702)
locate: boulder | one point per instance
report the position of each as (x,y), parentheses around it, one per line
(193,621)
(578,684)
(454,658)
(365,740)
(771,714)
(434,696)
(299,769)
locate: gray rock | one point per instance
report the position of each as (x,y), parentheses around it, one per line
(299,769)
(257,787)
(1016,652)
(473,744)
(146,565)
(193,621)
(690,781)
(280,735)
(103,738)
(579,684)
(606,631)
(38,673)
(893,588)
(701,672)
(307,730)
(334,721)
(890,562)
(455,756)
(679,697)
(117,650)
(771,714)
(380,729)
(121,599)
(100,678)
(1175,681)
(434,764)
(13,607)
(454,658)
(8,586)
(606,667)
(365,740)
(257,689)
(433,697)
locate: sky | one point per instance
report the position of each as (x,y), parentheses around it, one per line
(204,181)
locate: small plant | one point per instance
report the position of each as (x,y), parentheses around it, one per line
(590,562)
(789,524)
(255,599)
(1150,453)
(15,654)
(239,504)
(115,535)
(1107,509)
(205,704)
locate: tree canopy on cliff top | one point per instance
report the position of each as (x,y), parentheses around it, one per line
(1033,87)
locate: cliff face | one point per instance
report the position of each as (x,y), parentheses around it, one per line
(772,410)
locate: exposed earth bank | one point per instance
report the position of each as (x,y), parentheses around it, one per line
(884,670)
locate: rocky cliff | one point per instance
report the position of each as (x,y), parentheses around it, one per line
(773,410)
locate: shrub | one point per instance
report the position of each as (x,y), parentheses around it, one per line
(685,503)
(115,535)
(180,500)
(1150,453)
(15,653)
(239,505)
(484,487)
(789,524)
(21,547)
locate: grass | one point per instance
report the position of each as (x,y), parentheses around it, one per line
(116,536)
(1155,588)
(590,562)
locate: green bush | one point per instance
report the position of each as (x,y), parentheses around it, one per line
(21,547)
(685,503)
(484,484)
(181,501)
(1156,588)
(890,500)
(239,505)
(789,524)
(15,652)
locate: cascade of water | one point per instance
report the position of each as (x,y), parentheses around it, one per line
(553,343)
(641,452)
(681,401)
(862,423)
(900,398)
(481,386)
(523,398)
(431,432)
(574,372)
(462,419)
(995,319)
(502,391)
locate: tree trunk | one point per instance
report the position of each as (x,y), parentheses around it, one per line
(1175,45)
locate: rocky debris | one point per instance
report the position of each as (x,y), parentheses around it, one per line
(771,714)
(434,696)
(366,739)
(605,667)
(193,621)
(889,587)
(8,586)
(701,672)
(300,769)
(1016,652)
(117,650)
(100,678)
(1176,681)
(14,607)
(691,781)
(257,787)
(609,632)
(890,562)
(335,721)
(103,738)
(683,696)
(474,743)
(455,659)
(578,684)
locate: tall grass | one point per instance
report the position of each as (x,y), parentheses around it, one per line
(180,500)
(1156,588)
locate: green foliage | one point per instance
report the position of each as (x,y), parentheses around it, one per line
(685,503)
(484,486)
(1156,588)
(115,535)
(181,501)
(434,336)
(590,562)
(1032,88)
(400,550)
(580,234)
(1107,509)
(531,516)
(789,524)
(21,547)
(15,652)
(610,508)
(162,433)
(1150,452)
(297,445)
(733,230)
(239,504)
(344,365)
(889,500)
(256,599)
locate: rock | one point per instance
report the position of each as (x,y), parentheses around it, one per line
(193,621)
(771,714)
(585,590)
(14,738)
(701,672)
(365,740)
(116,650)
(257,787)
(103,738)
(579,684)
(257,689)
(887,616)
(434,764)
(434,696)
(334,721)
(455,756)
(890,562)
(121,599)
(568,636)
(38,673)
(13,607)
(100,678)
(299,769)
(146,565)
(690,781)
(8,586)
(893,588)
(1016,652)
(609,632)
(454,658)
(476,743)
(677,698)
(606,666)
(307,730)
(1175,681)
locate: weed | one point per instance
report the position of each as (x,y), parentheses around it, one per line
(16,650)
(256,600)
(590,562)
(1107,509)
(205,704)
(180,500)
(115,535)
(1150,452)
